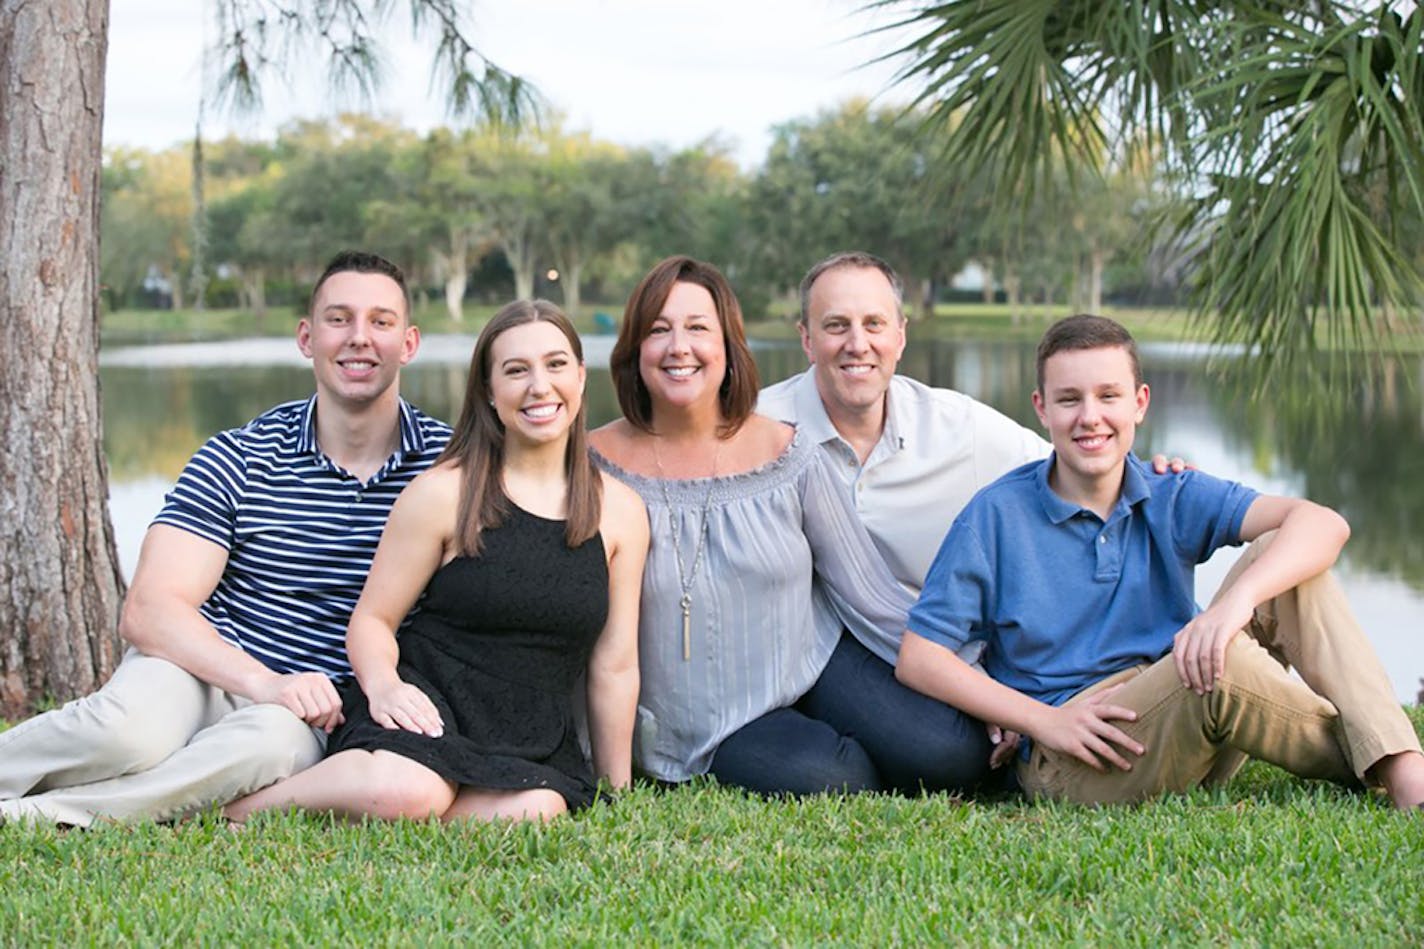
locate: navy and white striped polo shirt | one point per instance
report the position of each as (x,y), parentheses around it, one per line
(300,532)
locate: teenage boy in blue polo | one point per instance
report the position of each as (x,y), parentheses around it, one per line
(1078,573)
(245,582)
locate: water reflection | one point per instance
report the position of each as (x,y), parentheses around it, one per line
(1362,453)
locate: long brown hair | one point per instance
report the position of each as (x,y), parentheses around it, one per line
(477,445)
(737,396)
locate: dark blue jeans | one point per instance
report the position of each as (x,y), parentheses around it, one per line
(857,729)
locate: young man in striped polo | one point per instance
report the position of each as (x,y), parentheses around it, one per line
(247,576)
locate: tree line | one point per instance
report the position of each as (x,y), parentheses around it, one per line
(487,212)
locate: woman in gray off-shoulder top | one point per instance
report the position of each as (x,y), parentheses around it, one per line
(743,514)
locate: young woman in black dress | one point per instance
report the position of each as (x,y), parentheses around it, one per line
(530,563)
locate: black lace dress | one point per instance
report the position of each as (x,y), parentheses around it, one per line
(498,645)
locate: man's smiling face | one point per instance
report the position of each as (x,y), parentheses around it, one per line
(854,336)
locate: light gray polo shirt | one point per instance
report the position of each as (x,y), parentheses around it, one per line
(939,447)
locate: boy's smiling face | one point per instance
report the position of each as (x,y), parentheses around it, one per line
(1091,405)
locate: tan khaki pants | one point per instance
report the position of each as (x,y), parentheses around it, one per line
(1335,724)
(154,742)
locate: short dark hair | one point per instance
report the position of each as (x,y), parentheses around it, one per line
(851,258)
(737,395)
(360,261)
(1085,331)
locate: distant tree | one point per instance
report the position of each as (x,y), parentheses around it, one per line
(430,207)
(859,177)
(594,202)
(509,200)
(148,208)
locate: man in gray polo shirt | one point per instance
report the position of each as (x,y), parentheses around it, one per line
(245,582)
(912,456)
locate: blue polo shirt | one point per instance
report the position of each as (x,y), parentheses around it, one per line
(300,532)
(1062,598)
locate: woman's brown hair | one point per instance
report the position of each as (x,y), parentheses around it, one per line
(477,445)
(737,396)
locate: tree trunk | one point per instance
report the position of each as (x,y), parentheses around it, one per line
(1012,295)
(254,284)
(927,295)
(60,585)
(986,290)
(457,273)
(1097,262)
(198,276)
(175,287)
(519,253)
(571,278)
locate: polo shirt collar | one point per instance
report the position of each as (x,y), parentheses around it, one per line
(810,411)
(1134,489)
(892,435)
(812,418)
(412,439)
(306,428)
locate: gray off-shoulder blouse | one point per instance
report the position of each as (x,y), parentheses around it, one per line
(757,642)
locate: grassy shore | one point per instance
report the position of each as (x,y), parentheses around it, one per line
(976,321)
(1267,860)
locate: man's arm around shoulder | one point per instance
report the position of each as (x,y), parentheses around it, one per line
(177,572)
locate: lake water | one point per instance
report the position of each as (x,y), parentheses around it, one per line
(1360,451)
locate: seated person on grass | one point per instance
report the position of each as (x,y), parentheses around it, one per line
(1078,573)
(237,613)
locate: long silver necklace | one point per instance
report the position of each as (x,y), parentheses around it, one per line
(685,578)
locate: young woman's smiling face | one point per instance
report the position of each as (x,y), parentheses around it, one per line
(536,381)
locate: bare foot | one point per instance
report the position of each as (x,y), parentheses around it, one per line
(1403,778)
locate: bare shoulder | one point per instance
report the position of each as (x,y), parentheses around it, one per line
(440,483)
(623,514)
(430,499)
(767,438)
(623,520)
(613,441)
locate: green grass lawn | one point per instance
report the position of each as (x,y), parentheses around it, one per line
(1268,860)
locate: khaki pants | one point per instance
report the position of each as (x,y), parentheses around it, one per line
(154,742)
(1334,725)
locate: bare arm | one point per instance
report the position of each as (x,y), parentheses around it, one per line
(1084,731)
(1309,539)
(177,572)
(413,545)
(613,679)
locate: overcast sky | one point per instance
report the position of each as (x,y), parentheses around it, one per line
(632,71)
